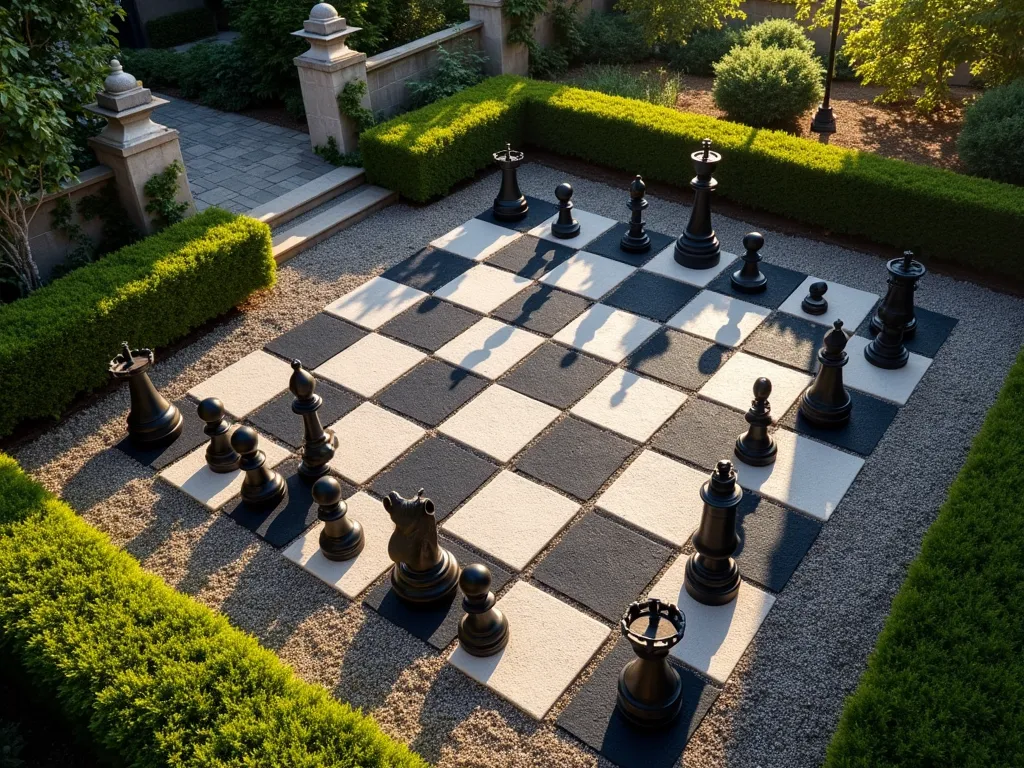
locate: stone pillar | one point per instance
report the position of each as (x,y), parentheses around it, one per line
(323,71)
(503,57)
(133,146)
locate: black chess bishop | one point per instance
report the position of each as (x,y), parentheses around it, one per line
(826,402)
(712,576)
(483,630)
(510,204)
(262,487)
(153,422)
(650,689)
(565,226)
(424,573)
(341,538)
(756,446)
(220,456)
(814,302)
(318,444)
(636,239)
(698,246)
(750,278)
(904,274)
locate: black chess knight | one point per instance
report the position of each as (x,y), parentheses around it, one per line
(565,226)
(698,247)
(814,302)
(341,537)
(262,487)
(712,576)
(750,278)
(636,239)
(826,403)
(650,689)
(483,630)
(424,573)
(318,444)
(755,446)
(510,204)
(153,422)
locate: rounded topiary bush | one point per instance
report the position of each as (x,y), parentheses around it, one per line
(992,140)
(778,33)
(767,86)
(704,48)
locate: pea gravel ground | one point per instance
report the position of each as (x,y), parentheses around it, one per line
(780,706)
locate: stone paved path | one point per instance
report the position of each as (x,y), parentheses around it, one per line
(236,162)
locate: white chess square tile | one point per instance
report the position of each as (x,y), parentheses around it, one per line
(608,333)
(659,495)
(665,264)
(716,635)
(370,364)
(844,303)
(489,348)
(351,576)
(895,385)
(512,518)
(247,384)
(370,438)
(499,422)
(629,404)
(374,302)
(807,475)
(211,489)
(588,274)
(592,227)
(720,318)
(482,288)
(549,645)
(476,239)
(733,384)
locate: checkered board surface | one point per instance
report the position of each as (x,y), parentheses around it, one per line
(513,375)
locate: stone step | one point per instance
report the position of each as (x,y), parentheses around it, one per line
(315,193)
(355,207)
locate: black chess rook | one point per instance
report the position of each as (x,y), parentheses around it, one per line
(565,226)
(220,456)
(650,689)
(636,239)
(483,630)
(756,446)
(341,538)
(826,402)
(749,278)
(712,576)
(698,246)
(262,487)
(318,444)
(510,204)
(153,422)
(814,302)
(904,274)
(425,574)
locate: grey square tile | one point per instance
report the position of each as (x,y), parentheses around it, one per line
(431,392)
(556,375)
(678,358)
(542,309)
(430,324)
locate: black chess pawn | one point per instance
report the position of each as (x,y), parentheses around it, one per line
(826,402)
(510,204)
(750,278)
(636,239)
(341,537)
(886,350)
(262,487)
(698,246)
(904,274)
(712,576)
(425,573)
(755,446)
(814,302)
(220,456)
(153,422)
(483,631)
(566,226)
(318,444)
(650,689)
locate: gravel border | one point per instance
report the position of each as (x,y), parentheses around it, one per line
(782,703)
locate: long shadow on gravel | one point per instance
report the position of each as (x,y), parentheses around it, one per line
(102,476)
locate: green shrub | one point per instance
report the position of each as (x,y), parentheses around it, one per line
(216,75)
(991,143)
(767,86)
(154,67)
(181,27)
(149,674)
(778,33)
(657,87)
(704,49)
(611,38)
(457,70)
(150,293)
(423,154)
(945,684)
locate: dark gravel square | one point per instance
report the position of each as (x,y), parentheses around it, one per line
(276,417)
(431,392)
(678,358)
(787,339)
(556,375)
(773,541)
(191,437)
(651,295)
(428,269)
(530,256)
(781,283)
(316,341)
(540,211)
(869,420)
(932,331)
(608,245)
(702,433)
(430,324)
(542,309)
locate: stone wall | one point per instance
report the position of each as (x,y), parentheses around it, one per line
(148,10)
(388,72)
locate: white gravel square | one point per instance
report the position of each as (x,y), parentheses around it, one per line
(374,302)
(370,364)
(588,274)
(733,384)
(489,348)
(844,303)
(476,239)
(895,385)
(482,288)
(247,384)
(592,227)
(720,318)
(370,438)
(629,404)
(499,422)
(665,264)
(608,333)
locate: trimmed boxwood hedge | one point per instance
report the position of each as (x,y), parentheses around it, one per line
(181,27)
(976,223)
(152,677)
(58,341)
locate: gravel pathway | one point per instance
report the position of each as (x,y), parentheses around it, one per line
(780,706)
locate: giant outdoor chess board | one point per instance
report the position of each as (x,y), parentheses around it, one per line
(512,375)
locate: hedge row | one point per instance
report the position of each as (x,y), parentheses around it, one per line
(181,27)
(945,684)
(58,341)
(153,678)
(960,219)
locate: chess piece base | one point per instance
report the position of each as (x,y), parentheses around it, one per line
(483,638)
(824,120)
(635,244)
(511,210)
(660,706)
(881,357)
(222,464)
(908,330)
(711,587)
(565,231)
(267,495)
(343,548)
(824,415)
(157,432)
(698,253)
(745,284)
(756,455)
(814,306)
(425,588)
(315,457)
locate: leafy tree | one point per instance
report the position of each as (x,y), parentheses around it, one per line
(53,58)
(673,21)
(902,44)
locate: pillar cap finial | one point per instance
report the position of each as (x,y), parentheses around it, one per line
(118,81)
(324,20)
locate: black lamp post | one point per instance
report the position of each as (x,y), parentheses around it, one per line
(824,121)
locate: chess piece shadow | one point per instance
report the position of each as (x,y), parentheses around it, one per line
(492,342)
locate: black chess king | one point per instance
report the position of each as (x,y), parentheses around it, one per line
(698,247)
